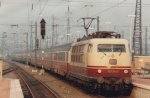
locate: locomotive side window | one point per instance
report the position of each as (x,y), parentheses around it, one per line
(111,48)
(77,53)
(50,55)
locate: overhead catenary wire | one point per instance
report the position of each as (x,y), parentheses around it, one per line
(56,3)
(42,9)
(110,8)
(107,9)
(46,3)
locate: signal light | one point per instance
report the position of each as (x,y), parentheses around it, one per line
(43,28)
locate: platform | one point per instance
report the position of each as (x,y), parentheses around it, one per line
(10,88)
(141,88)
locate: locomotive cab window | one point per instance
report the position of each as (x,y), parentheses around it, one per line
(111,48)
(119,48)
(104,48)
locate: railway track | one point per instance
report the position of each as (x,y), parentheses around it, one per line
(68,94)
(36,88)
(8,70)
(25,88)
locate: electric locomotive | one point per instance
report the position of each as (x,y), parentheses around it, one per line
(103,63)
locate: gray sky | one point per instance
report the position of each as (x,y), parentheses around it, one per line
(20,11)
(113,15)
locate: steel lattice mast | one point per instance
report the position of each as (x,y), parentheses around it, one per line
(137,36)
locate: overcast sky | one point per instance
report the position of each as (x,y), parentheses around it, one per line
(22,12)
(113,15)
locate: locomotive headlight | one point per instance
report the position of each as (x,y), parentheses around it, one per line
(99,71)
(126,71)
(100,80)
(127,80)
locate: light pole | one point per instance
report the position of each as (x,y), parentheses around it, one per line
(26,47)
(35,47)
(130,38)
(14,37)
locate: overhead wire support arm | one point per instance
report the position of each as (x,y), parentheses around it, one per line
(86,26)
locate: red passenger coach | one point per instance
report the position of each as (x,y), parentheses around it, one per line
(58,59)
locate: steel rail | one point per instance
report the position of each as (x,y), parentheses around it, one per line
(8,70)
(38,89)
(30,91)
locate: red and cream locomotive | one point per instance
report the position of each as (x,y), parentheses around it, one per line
(98,61)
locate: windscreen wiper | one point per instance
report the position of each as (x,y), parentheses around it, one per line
(104,53)
(120,52)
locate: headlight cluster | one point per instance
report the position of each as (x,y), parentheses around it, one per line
(99,71)
(126,71)
(127,80)
(100,80)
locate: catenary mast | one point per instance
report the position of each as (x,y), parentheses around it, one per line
(137,35)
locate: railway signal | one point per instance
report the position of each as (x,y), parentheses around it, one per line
(43,28)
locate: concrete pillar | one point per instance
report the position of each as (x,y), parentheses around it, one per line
(1,65)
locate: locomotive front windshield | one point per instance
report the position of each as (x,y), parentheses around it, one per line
(111,48)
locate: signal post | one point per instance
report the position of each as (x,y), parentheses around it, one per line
(42,23)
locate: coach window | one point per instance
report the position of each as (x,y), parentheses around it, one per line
(64,56)
(50,56)
(55,56)
(90,46)
(37,55)
(73,53)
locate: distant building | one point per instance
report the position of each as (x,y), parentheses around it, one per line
(142,62)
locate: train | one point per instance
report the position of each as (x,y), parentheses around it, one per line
(100,61)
